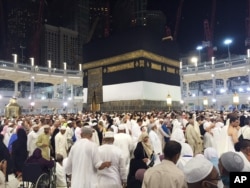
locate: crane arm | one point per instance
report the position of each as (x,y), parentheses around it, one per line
(178,18)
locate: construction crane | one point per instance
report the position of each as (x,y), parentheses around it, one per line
(209,32)
(92,29)
(168,33)
(178,18)
(35,46)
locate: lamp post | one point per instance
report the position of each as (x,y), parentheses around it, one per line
(65,104)
(14,58)
(236,99)
(228,42)
(32,60)
(169,101)
(199,48)
(32,105)
(194,60)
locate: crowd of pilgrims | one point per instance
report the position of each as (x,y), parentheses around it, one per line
(127,150)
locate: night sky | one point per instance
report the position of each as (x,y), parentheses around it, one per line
(230,16)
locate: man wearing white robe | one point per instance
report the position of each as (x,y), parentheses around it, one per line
(83,161)
(156,142)
(32,138)
(208,138)
(61,144)
(60,172)
(124,142)
(115,176)
(136,130)
(78,130)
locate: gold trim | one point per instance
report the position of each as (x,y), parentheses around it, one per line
(141,62)
(171,70)
(121,67)
(156,66)
(130,56)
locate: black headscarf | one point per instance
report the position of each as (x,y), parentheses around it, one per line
(37,157)
(19,150)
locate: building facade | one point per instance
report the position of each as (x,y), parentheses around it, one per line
(218,84)
(60,45)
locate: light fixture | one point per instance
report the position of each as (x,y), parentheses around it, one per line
(222,90)
(241,89)
(205,101)
(236,99)
(194,60)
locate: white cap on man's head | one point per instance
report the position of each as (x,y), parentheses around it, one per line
(121,127)
(46,126)
(109,134)
(34,125)
(63,127)
(86,130)
(197,169)
(232,161)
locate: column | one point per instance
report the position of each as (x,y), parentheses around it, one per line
(49,66)
(214,91)
(64,90)
(32,63)
(16,89)
(181,85)
(249,79)
(32,88)
(187,89)
(55,90)
(65,67)
(214,87)
(225,84)
(72,92)
(15,60)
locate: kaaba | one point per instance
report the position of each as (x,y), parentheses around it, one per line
(134,70)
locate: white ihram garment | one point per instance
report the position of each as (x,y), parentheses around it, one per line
(111,177)
(31,142)
(82,163)
(125,143)
(61,144)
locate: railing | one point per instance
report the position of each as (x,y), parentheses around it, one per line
(28,68)
(218,65)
